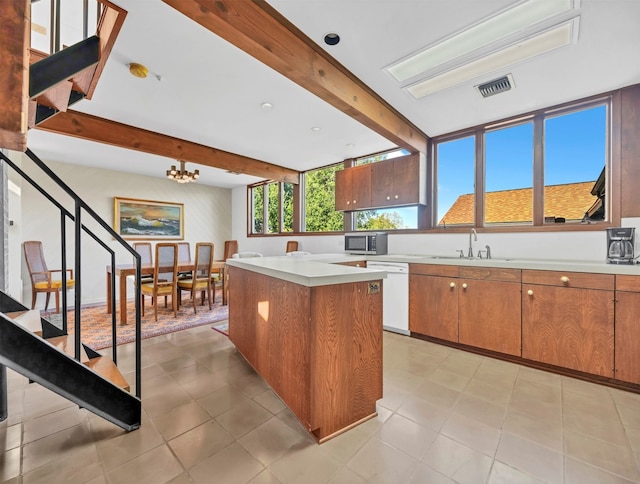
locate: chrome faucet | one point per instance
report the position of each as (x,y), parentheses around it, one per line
(475,237)
(488,252)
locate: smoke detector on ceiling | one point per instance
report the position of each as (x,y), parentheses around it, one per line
(496,86)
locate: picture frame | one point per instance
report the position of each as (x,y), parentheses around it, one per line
(135,219)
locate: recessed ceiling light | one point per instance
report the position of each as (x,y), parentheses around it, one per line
(266,106)
(558,36)
(331,38)
(315,129)
(493,29)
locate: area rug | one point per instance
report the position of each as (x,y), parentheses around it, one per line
(96,323)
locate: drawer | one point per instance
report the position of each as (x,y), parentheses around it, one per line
(569,279)
(491,274)
(433,270)
(628,283)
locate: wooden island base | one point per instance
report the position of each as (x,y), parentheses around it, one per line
(318,347)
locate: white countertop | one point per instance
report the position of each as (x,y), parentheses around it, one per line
(322,269)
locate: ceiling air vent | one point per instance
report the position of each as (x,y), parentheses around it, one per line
(496,86)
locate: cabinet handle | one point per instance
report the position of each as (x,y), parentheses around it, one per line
(530,292)
(348,202)
(388,198)
(396,197)
(354,202)
(564,279)
(452,285)
(464,285)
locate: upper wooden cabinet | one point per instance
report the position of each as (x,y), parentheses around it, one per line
(399,181)
(353,188)
(395,182)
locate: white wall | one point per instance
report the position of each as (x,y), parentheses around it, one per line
(207,212)
(575,246)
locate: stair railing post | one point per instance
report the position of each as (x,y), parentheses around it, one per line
(63,266)
(78,279)
(3,393)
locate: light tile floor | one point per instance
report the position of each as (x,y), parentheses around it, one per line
(446,416)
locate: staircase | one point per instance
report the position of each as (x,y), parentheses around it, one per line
(43,353)
(30,345)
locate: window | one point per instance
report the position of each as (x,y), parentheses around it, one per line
(544,168)
(574,165)
(509,175)
(455,161)
(287,207)
(257,209)
(320,201)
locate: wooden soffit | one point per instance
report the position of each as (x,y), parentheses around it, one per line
(92,128)
(259,30)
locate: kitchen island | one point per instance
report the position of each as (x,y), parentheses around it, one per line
(313,331)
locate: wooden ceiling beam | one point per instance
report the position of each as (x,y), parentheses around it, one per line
(259,30)
(92,128)
(14,73)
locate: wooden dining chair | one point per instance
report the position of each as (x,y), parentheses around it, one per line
(146,258)
(200,280)
(165,277)
(292,245)
(41,277)
(184,256)
(230,248)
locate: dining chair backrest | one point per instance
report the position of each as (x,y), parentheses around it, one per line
(184,252)
(36,264)
(292,245)
(145,251)
(204,259)
(230,248)
(166,267)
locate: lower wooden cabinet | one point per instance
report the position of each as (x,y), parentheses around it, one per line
(433,306)
(627,342)
(568,320)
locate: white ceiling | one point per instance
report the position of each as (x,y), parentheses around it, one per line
(210,92)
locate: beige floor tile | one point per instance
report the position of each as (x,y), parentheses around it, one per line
(634,438)
(126,446)
(540,376)
(242,419)
(393,397)
(200,443)
(457,461)
(379,462)
(51,423)
(10,437)
(480,410)
(499,376)
(10,467)
(601,405)
(425,474)
(534,430)
(181,479)
(503,474)
(372,425)
(588,389)
(177,364)
(612,458)
(494,393)
(601,426)
(541,392)
(202,385)
(56,446)
(343,447)
(265,477)
(437,394)
(269,400)
(231,464)
(402,379)
(309,464)
(180,420)
(424,413)
(222,400)
(449,378)
(39,401)
(406,435)
(251,385)
(165,402)
(77,467)
(630,416)
(472,433)
(549,413)
(272,440)
(153,467)
(577,472)
(347,476)
(531,458)
(625,398)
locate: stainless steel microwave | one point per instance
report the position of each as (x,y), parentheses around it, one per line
(366,243)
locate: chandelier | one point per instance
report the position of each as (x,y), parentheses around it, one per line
(182,175)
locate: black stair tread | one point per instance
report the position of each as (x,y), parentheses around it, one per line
(104,366)
(66,344)
(29,319)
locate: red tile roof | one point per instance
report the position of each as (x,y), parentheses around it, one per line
(569,201)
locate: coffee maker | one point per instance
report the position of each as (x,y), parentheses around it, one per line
(620,245)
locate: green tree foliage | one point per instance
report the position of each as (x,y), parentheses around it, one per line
(272,208)
(320,201)
(287,207)
(257,193)
(374,220)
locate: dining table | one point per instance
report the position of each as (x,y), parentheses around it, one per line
(123,270)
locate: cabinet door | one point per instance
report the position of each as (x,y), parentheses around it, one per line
(628,336)
(490,315)
(360,187)
(433,306)
(568,327)
(343,190)
(382,183)
(406,180)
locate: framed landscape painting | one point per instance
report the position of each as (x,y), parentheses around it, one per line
(148,219)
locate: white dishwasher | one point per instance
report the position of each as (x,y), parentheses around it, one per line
(395,295)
